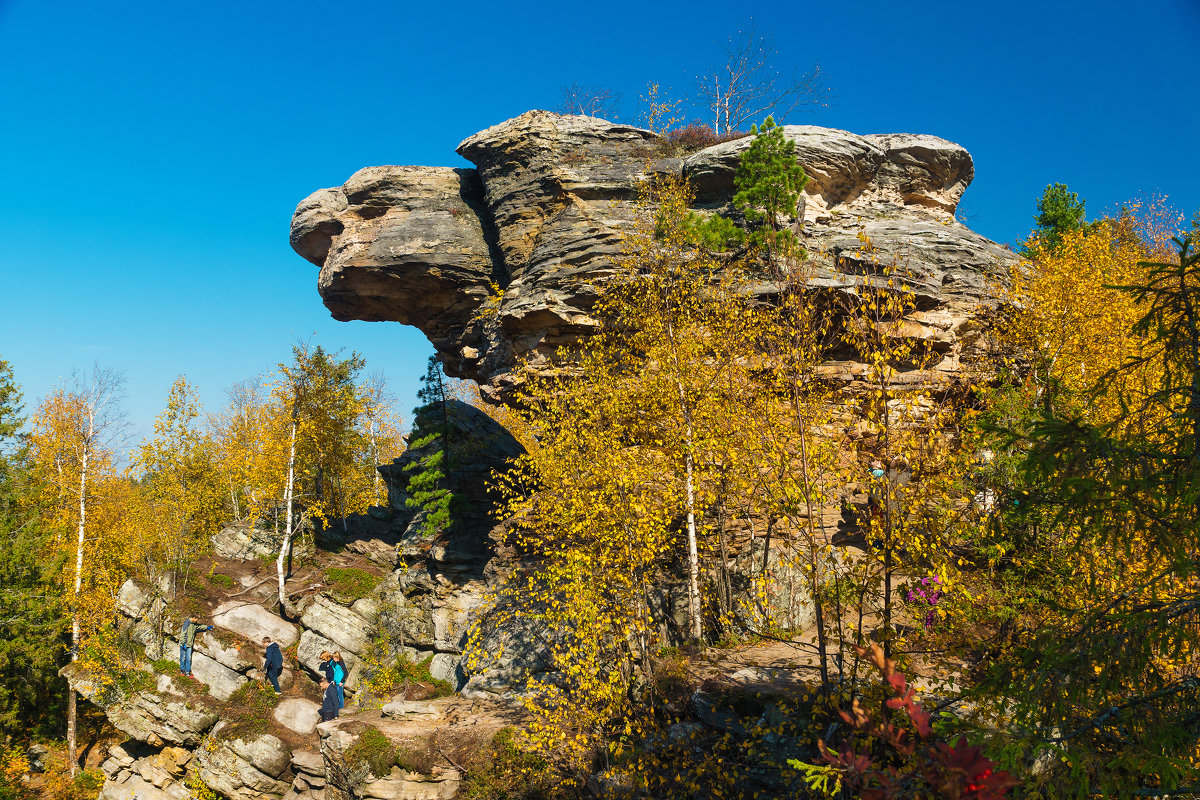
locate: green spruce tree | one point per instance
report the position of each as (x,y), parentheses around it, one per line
(32,621)
(1059,210)
(769,181)
(428,481)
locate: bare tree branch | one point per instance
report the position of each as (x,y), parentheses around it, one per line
(590,101)
(747,86)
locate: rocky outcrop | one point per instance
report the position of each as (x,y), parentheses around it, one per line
(502,264)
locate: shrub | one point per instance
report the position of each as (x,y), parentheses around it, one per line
(374,750)
(390,676)
(348,584)
(248,710)
(509,773)
(221,579)
(695,137)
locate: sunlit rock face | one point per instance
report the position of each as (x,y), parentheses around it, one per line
(502,264)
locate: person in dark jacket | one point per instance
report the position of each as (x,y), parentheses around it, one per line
(187,638)
(329,701)
(273,662)
(326,665)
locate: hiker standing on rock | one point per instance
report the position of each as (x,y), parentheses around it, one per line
(187,637)
(329,701)
(273,662)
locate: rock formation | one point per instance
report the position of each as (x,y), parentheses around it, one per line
(503,263)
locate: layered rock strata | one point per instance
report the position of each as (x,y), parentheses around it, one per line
(502,264)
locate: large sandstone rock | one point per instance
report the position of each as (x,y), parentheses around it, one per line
(245,542)
(254,622)
(298,714)
(158,719)
(551,195)
(337,623)
(222,682)
(246,770)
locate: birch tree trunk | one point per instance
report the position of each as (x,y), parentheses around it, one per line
(289,529)
(72,718)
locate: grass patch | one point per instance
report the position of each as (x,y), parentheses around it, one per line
(374,750)
(248,710)
(347,584)
(165,666)
(221,580)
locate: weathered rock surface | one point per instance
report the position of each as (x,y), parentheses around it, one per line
(254,622)
(155,718)
(542,214)
(246,770)
(245,542)
(298,714)
(336,623)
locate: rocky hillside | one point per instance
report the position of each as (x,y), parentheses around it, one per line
(503,262)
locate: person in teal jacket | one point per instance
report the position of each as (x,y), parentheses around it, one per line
(187,637)
(339,678)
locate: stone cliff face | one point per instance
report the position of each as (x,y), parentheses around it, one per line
(503,263)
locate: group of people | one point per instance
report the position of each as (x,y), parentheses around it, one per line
(332,667)
(333,689)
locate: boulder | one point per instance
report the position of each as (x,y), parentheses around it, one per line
(410,710)
(412,786)
(222,682)
(308,762)
(135,786)
(152,717)
(298,714)
(245,542)
(254,622)
(337,624)
(241,770)
(132,601)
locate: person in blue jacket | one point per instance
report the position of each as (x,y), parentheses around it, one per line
(339,678)
(187,638)
(273,662)
(329,701)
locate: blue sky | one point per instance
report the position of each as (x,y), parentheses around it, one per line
(151,154)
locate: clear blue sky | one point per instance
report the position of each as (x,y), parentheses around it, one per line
(151,153)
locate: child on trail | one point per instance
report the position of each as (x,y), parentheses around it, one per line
(329,701)
(273,662)
(187,638)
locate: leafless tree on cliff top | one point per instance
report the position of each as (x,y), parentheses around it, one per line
(591,101)
(747,86)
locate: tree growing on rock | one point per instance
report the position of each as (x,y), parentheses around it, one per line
(322,403)
(428,479)
(769,181)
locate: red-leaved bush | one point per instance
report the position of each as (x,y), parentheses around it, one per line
(693,137)
(916,764)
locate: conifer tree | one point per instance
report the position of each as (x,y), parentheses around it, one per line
(1059,211)
(428,482)
(32,624)
(769,181)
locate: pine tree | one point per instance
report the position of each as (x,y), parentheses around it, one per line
(32,622)
(428,482)
(769,181)
(1059,210)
